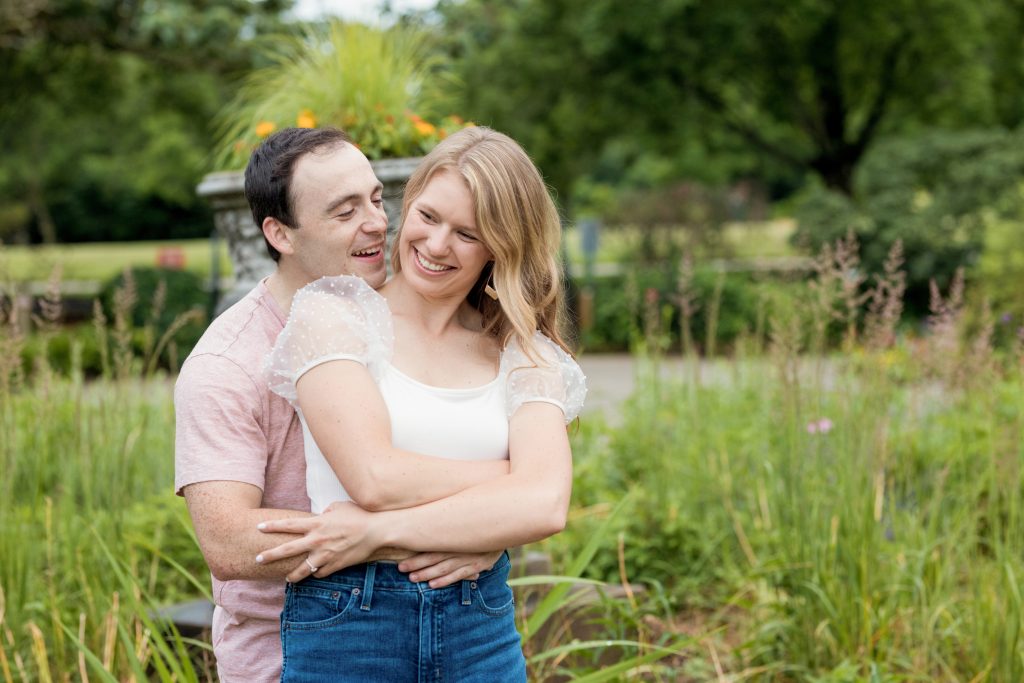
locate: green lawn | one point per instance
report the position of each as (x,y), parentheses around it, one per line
(740,241)
(98,261)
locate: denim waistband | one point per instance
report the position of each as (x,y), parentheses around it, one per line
(386,575)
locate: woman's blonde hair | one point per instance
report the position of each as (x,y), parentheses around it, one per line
(517,221)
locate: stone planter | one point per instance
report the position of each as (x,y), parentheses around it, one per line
(250,263)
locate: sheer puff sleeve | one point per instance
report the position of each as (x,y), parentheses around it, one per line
(557,380)
(333,318)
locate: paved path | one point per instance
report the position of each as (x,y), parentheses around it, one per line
(611,378)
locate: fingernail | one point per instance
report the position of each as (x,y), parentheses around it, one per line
(261,526)
(259,559)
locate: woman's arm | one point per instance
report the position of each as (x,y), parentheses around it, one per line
(529,503)
(349,420)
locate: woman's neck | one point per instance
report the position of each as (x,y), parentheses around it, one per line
(435,316)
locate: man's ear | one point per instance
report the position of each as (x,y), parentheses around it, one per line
(279,235)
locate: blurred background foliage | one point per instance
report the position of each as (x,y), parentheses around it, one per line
(105,112)
(668,119)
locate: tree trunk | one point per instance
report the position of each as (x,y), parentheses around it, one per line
(44,219)
(836,169)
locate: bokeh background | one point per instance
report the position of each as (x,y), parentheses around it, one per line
(798,225)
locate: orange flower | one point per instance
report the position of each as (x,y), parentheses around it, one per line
(265,128)
(423,128)
(305,119)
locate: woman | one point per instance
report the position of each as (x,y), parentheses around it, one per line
(459,357)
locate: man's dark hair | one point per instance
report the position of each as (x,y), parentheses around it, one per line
(268,176)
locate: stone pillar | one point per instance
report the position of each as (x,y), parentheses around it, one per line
(250,262)
(393,173)
(232,218)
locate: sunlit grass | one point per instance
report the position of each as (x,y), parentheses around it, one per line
(748,241)
(98,261)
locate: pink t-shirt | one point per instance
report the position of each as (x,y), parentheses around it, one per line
(230,426)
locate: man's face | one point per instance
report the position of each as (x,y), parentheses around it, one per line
(341,225)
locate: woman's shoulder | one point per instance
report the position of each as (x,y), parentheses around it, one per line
(543,372)
(540,350)
(331,318)
(342,287)
(340,299)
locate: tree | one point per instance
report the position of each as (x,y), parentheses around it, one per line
(105,109)
(808,84)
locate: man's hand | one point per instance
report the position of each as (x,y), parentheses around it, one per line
(341,536)
(444,569)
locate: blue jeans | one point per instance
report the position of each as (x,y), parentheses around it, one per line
(371,623)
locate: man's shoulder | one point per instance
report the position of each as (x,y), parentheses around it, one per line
(243,334)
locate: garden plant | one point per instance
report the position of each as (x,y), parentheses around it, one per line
(838,500)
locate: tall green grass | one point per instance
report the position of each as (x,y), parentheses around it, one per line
(88,519)
(92,540)
(839,501)
(842,516)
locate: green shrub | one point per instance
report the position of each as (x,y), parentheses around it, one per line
(71,348)
(729,306)
(158,297)
(999,274)
(934,191)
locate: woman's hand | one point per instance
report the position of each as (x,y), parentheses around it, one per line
(343,535)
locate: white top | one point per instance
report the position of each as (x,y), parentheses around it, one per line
(343,318)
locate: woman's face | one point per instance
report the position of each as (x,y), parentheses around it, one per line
(440,248)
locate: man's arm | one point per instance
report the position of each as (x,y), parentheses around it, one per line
(221,455)
(526,505)
(225,515)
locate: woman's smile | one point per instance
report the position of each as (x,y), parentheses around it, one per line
(429,265)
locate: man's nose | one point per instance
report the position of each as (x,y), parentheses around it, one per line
(378,221)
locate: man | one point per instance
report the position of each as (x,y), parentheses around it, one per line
(238,451)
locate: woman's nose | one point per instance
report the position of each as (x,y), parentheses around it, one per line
(437,240)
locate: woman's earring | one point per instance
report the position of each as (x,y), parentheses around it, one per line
(489,290)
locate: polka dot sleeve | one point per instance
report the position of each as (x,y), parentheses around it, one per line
(557,379)
(333,318)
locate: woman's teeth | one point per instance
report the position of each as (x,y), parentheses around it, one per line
(434,267)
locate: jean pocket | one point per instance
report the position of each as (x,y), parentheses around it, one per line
(311,607)
(493,596)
